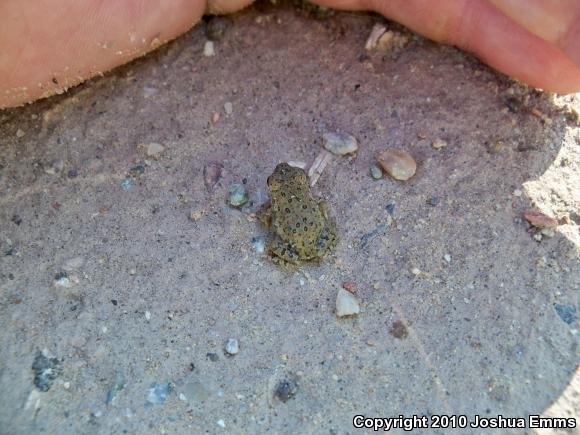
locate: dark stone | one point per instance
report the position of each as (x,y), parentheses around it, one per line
(46,370)
(213,357)
(566,312)
(433,201)
(390,207)
(72,173)
(399,330)
(16,219)
(286,389)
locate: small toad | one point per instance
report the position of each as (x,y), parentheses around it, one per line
(300,228)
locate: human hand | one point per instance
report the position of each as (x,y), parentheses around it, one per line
(45,49)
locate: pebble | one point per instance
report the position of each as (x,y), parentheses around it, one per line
(55,167)
(216,28)
(72,173)
(229,108)
(46,370)
(157,393)
(213,357)
(433,201)
(566,312)
(339,143)
(118,385)
(376,172)
(390,207)
(20,133)
(127,183)
(259,244)
(232,346)
(547,232)
(438,144)
(349,286)
(286,389)
(539,219)
(397,163)
(447,258)
(237,195)
(147,315)
(538,237)
(517,193)
(208,49)
(346,304)
(16,219)
(221,424)
(195,392)
(212,173)
(154,149)
(136,171)
(62,279)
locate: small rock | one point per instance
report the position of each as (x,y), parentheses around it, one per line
(136,171)
(399,330)
(496,146)
(46,370)
(212,174)
(232,346)
(346,304)
(208,49)
(213,357)
(433,201)
(517,193)
(438,144)
(196,214)
(397,163)
(215,117)
(349,286)
(373,39)
(72,173)
(286,389)
(221,424)
(566,312)
(538,237)
(391,41)
(16,219)
(229,108)
(237,195)
(216,28)
(376,172)
(259,244)
(540,220)
(20,133)
(154,150)
(548,232)
(118,385)
(195,392)
(127,183)
(147,315)
(157,393)
(447,258)
(66,385)
(55,167)
(339,143)
(61,279)
(297,164)
(390,207)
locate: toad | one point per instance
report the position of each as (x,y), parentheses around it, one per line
(300,228)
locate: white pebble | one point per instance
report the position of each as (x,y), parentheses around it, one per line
(447,258)
(346,304)
(339,143)
(20,133)
(66,385)
(147,315)
(517,192)
(221,423)
(208,49)
(154,149)
(232,346)
(229,108)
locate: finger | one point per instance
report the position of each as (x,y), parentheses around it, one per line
(48,48)
(556,21)
(226,6)
(477,26)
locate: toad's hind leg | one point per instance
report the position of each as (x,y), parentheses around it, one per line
(282,252)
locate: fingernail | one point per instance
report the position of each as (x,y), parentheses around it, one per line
(548,19)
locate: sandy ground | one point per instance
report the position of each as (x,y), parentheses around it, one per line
(114,279)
